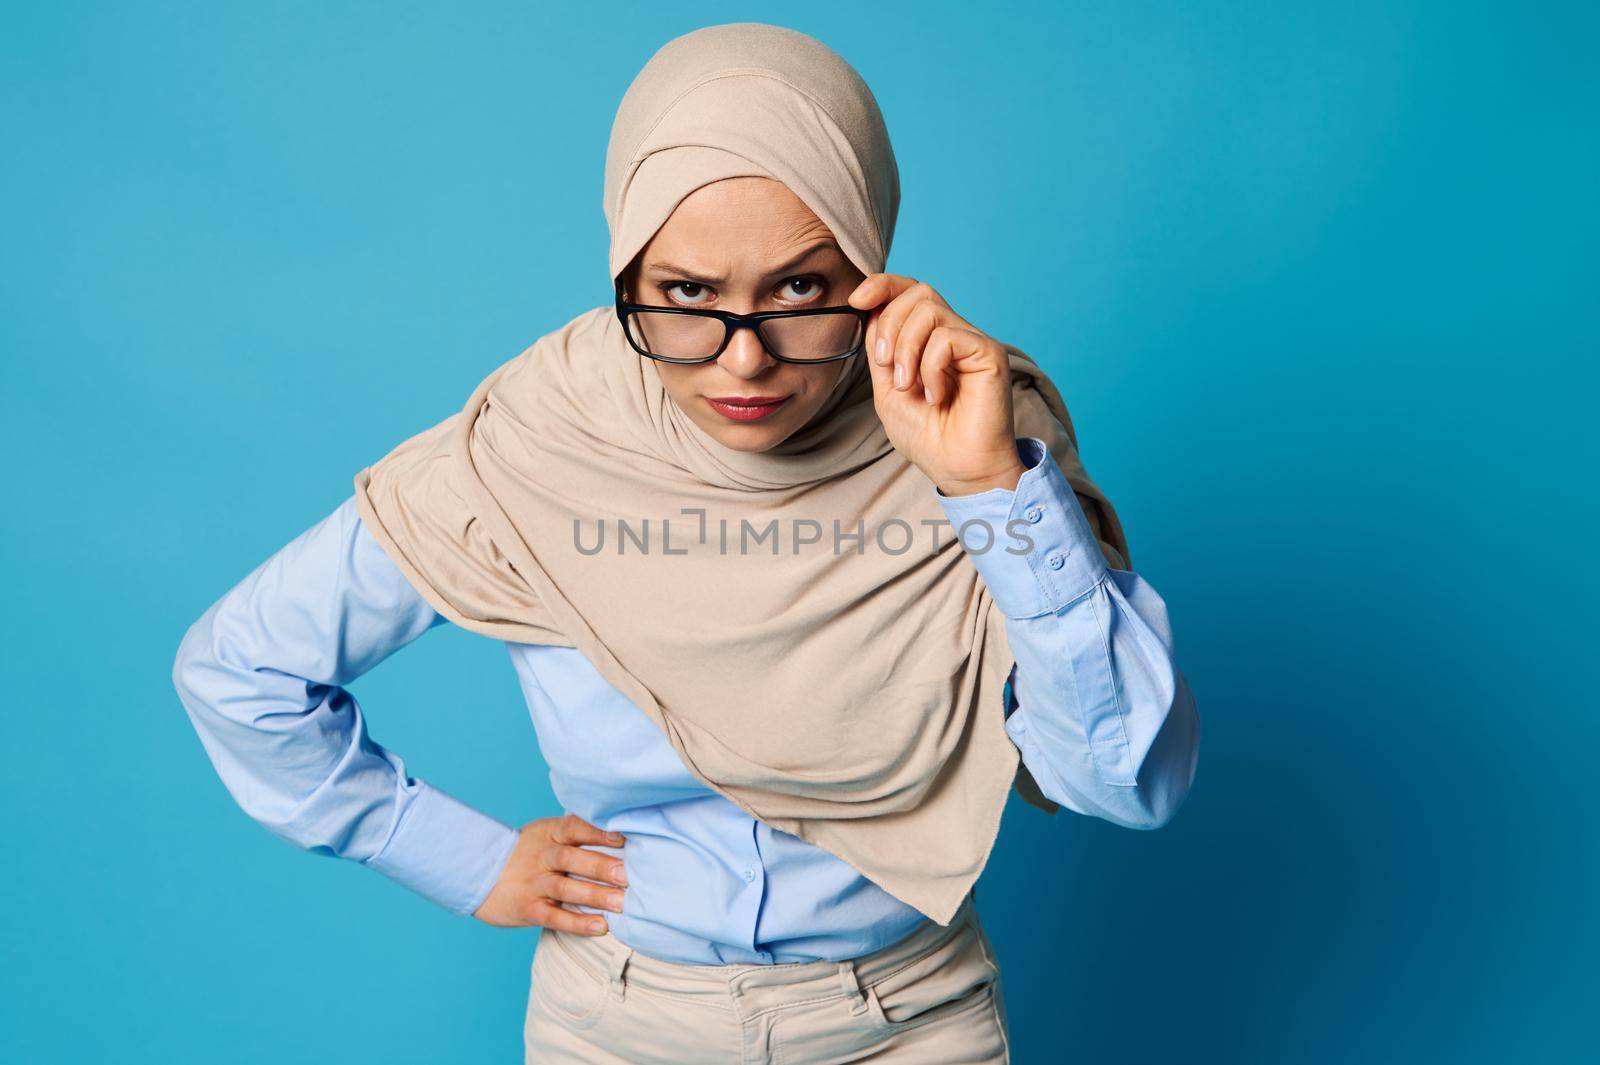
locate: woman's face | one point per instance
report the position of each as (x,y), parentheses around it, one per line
(744,244)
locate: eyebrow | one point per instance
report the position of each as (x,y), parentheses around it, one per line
(694,276)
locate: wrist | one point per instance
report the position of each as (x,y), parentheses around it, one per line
(1006,479)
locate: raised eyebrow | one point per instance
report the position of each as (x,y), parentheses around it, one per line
(697,278)
(682,273)
(799,260)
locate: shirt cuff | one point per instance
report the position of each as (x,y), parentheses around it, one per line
(1033,545)
(446,851)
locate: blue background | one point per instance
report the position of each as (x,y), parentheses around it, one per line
(1312,277)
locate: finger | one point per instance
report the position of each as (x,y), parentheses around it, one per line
(965,358)
(903,293)
(867,294)
(893,316)
(909,344)
(572,829)
(547,913)
(882,373)
(936,359)
(884,287)
(587,863)
(949,352)
(584,892)
(879,288)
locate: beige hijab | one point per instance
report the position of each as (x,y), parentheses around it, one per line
(851,697)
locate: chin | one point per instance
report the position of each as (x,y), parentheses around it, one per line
(750,438)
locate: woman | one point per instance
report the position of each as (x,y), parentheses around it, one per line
(795,601)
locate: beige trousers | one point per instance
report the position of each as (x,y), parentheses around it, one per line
(934,998)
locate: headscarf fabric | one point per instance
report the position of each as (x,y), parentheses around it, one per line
(763,609)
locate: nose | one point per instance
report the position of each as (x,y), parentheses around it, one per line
(744,357)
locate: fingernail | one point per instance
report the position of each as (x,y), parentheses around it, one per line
(619,837)
(900,375)
(597,927)
(621,876)
(927,395)
(881,354)
(616,901)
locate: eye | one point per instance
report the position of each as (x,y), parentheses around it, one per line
(691,290)
(801,289)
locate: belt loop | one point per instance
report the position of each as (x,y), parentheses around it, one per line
(852,988)
(618,962)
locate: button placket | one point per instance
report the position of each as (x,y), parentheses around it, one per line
(754,874)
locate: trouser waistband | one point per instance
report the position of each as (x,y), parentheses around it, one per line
(748,988)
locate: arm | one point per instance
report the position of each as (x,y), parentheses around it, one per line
(1102,716)
(262,674)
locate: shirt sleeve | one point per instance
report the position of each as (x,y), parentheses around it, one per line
(262,676)
(1098,709)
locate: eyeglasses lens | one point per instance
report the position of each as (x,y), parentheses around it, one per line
(689,336)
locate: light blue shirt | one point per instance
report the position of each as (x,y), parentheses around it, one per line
(1101,715)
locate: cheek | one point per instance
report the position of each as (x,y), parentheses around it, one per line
(679,381)
(814,390)
(821,385)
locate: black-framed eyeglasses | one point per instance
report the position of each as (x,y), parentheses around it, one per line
(685,335)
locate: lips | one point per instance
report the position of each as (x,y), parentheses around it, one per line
(746,408)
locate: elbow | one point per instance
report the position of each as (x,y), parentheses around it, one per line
(1167,776)
(1147,807)
(279,774)
(199,675)
(195,678)
(186,665)
(216,680)
(1155,805)
(1158,814)
(1182,736)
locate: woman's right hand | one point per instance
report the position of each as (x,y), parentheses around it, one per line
(536,881)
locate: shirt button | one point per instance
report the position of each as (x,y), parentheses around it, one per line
(1055,561)
(749,875)
(763,955)
(1033,514)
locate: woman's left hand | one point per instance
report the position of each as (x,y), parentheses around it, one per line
(942,387)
